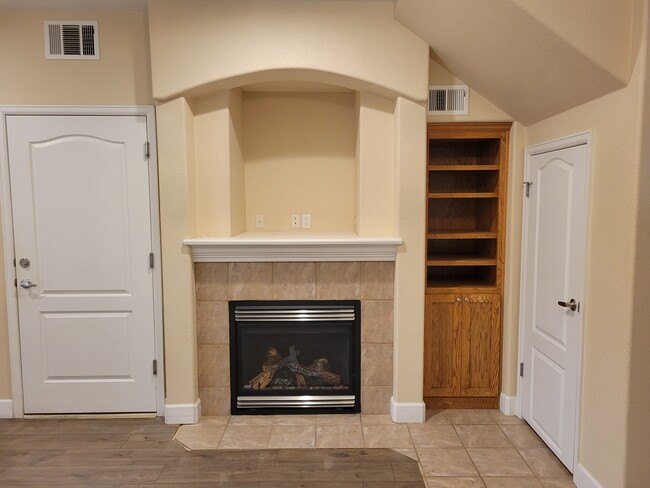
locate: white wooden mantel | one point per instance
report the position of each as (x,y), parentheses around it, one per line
(288,247)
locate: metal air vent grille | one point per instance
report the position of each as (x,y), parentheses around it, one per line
(448,100)
(71,40)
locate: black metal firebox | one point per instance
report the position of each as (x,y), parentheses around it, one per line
(295,356)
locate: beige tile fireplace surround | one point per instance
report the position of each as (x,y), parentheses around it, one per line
(370,282)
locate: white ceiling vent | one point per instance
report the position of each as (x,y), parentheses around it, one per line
(71,40)
(448,100)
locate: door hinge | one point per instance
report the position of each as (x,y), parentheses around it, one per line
(521,369)
(146,150)
(14,262)
(15,282)
(151,260)
(155,367)
(528,184)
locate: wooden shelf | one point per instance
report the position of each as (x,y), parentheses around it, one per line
(461,260)
(463,167)
(463,195)
(470,234)
(456,286)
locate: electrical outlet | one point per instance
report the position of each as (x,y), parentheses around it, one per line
(306,221)
(259,221)
(295,221)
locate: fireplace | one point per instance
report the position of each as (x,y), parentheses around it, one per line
(289,356)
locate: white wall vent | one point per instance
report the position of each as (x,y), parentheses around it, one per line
(71,40)
(448,100)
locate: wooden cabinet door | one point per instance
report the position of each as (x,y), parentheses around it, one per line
(442,345)
(480,345)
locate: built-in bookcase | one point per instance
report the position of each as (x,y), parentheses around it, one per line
(466,201)
(466,181)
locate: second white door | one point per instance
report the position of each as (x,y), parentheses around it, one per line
(553,262)
(82,238)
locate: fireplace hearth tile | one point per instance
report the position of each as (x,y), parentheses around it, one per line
(384,419)
(245,437)
(377,321)
(293,436)
(339,436)
(212,322)
(377,280)
(376,365)
(333,419)
(214,365)
(388,436)
(258,420)
(215,400)
(294,420)
(294,281)
(375,399)
(338,281)
(215,420)
(201,436)
(211,280)
(250,281)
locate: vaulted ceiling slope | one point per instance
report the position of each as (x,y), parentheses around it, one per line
(531,58)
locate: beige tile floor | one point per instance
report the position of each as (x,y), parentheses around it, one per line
(455,448)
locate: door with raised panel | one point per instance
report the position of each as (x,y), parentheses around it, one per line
(82,238)
(553,263)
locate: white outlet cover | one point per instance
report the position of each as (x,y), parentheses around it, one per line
(306,221)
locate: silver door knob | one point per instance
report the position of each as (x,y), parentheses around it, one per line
(26,284)
(571,305)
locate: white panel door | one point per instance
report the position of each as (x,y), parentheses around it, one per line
(553,275)
(81,214)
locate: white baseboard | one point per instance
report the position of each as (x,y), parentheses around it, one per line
(407,412)
(507,404)
(183,413)
(584,479)
(6,409)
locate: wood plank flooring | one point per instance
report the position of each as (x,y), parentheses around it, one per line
(140,452)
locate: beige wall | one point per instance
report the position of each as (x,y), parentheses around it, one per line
(375,175)
(120,77)
(480,108)
(223,44)
(177,182)
(638,442)
(410,189)
(610,287)
(299,158)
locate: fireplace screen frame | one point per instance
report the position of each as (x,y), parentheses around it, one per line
(287,313)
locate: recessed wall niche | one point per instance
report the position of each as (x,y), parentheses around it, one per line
(299,158)
(319,149)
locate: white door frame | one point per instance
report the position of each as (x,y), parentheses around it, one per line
(8,238)
(554,145)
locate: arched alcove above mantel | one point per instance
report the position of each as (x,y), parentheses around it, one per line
(263,153)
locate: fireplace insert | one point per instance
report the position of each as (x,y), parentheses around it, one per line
(290,356)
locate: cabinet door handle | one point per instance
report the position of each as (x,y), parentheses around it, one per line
(466,299)
(458,299)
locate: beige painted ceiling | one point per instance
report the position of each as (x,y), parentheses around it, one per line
(530,65)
